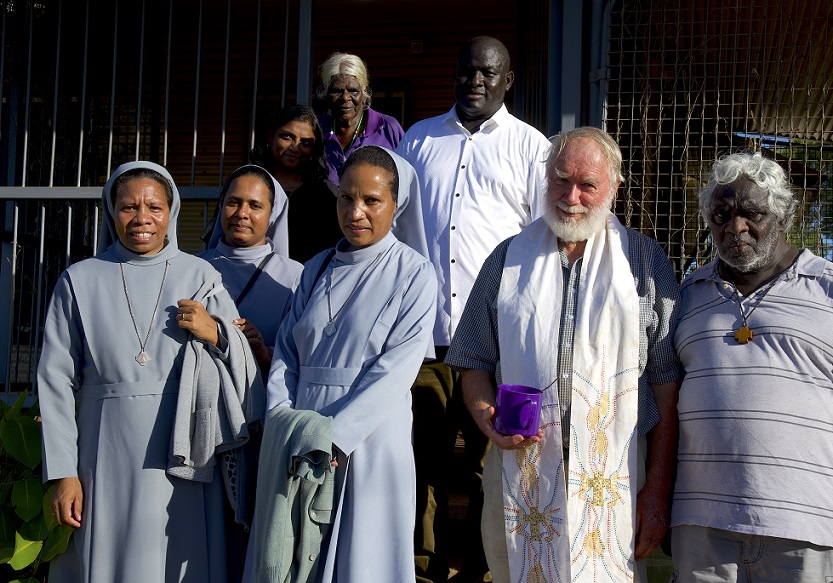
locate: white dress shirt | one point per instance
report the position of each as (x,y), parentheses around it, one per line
(477,189)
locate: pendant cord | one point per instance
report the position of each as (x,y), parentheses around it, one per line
(736,297)
(155,308)
(736,294)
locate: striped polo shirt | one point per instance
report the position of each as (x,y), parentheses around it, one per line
(756,419)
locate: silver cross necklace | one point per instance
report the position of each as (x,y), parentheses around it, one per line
(143,357)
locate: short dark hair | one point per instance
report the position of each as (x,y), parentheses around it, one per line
(489,41)
(137,173)
(379,158)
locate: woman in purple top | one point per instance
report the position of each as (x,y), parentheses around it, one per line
(349,121)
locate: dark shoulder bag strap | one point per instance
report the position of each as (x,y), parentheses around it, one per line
(253,279)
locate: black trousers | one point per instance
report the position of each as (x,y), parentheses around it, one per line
(439,414)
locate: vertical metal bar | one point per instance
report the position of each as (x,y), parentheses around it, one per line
(26,102)
(141,81)
(254,88)
(765,72)
(3,68)
(304,51)
(11,303)
(822,203)
(196,98)
(83,95)
(658,128)
(69,235)
(55,96)
(604,62)
(95,228)
(7,315)
(571,36)
(594,110)
(18,340)
(701,154)
(38,295)
(113,86)
(748,82)
(225,91)
(285,53)
(733,50)
(554,68)
(168,82)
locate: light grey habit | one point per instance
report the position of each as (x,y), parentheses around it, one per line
(138,523)
(361,376)
(268,300)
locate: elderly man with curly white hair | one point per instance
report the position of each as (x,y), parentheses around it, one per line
(752,500)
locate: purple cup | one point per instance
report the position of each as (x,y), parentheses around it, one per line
(518,410)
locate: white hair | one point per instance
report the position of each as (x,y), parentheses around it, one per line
(610,149)
(765,173)
(344,64)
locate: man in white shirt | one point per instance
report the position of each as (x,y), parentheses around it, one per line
(481,174)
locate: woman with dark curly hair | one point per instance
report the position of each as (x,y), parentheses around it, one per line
(294,154)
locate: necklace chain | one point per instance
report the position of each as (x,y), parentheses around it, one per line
(142,358)
(736,297)
(355,133)
(744,334)
(294,187)
(330,329)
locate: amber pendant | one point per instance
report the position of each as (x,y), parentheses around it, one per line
(743,335)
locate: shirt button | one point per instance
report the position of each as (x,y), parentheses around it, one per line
(454,261)
(565,375)
(568,344)
(312,557)
(458,194)
(569,316)
(453,295)
(463,166)
(453,227)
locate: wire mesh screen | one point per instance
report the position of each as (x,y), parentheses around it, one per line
(691,81)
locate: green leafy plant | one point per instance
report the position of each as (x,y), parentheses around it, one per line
(29,535)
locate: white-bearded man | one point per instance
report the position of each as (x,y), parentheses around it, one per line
(585,308)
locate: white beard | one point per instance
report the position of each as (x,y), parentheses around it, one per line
(573,230)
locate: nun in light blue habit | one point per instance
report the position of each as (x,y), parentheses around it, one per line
(120,329)
(350,348)
(251,216)
(257,272)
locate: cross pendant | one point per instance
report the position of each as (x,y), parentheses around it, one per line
(743,335)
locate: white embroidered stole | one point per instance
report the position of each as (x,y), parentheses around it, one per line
(584,532)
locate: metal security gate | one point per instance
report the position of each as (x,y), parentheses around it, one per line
(690,81)
(90,84)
